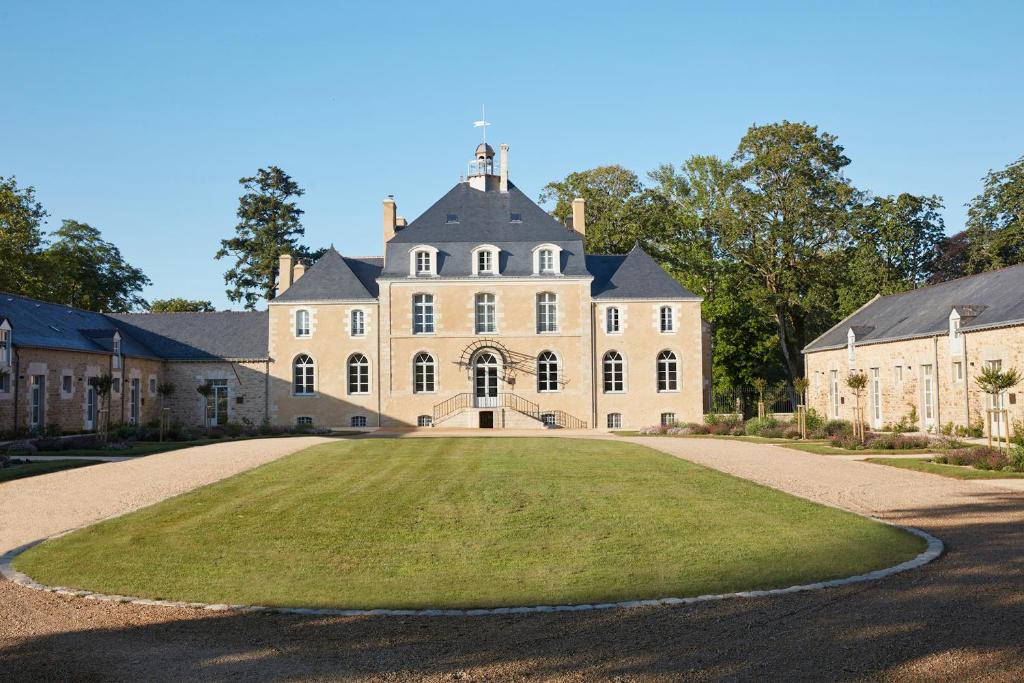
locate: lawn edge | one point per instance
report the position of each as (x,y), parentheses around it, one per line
(932,551)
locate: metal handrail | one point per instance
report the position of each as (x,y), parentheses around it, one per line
(507,399)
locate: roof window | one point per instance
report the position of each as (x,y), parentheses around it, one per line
(516,218)
(452,218)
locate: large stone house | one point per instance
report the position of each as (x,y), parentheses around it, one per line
(921,351)
(483,312)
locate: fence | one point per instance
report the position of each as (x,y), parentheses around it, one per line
(743,400)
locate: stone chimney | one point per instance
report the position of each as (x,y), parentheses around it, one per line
(298,270)
(284,274)
(579,219)
(390,220)
(400,223)
(503,161)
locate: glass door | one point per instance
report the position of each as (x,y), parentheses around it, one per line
(486,380)
(996,403)
(90,406)
(218,411)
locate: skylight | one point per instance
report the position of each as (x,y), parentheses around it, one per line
(516,218)
(452,218)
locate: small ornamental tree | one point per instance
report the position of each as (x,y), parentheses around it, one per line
(104,384)
(759,386)
(800,384)
(163,390)
(858,382)
(994,381)
(206,391)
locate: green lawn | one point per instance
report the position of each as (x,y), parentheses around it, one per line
(152,447)
(954,471)
(33,468)
(465,522)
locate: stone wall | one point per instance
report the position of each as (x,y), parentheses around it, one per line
(247,384)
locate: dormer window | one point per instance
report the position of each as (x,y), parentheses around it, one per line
(515,218)
(451,218)
(485,260)
(955,335)
(116,351)
(117,347)
(423,261)
(851,349)
(5,344)
(546,259)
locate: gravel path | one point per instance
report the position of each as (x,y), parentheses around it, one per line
(961,617)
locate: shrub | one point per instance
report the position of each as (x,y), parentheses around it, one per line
(982,458)
(791,433)
(759,426)
(728,419)
(848,441)
(1016,459)
(234,429)
(897,442)
(814,420)
(833,428)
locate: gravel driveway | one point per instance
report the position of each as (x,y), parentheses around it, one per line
(960,617)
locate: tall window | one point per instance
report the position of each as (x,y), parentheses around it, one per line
(614,372)
(304,369)
(667,321)
(358,374)
(614,420)
(928,392)
(547,372)
(5,347)
(668,371)
(834,392)
(424,370)
(547,312)
(546,261)
(485,314)
(423,263)
(358,323)
(611,320)
(302,323)
(116,360)
(876,397)
(485,262)
(423,314)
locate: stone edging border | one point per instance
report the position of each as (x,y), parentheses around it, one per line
(934,549)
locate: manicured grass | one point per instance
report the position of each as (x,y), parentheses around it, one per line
(822,448)
(744,437)
(33,468)
(954,471)
(468,522)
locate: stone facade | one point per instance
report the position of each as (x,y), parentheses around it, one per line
(933,376)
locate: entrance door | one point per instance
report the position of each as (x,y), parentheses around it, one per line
(996,403)
(90,406)
(485,373)
(37,400)
(486,419)
(219,403)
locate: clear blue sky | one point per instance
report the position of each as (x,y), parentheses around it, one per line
(139,117)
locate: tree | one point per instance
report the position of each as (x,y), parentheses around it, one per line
(789,209)
(90,273)
(900,237)
(179,305)
(995,221)
(951,256)
(21,237)
(269,225)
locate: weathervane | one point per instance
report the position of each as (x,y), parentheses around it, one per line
(482,123)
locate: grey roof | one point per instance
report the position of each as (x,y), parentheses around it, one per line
(55,326)
(988,300)
(633,276)
(334,277)
(216,335)
(485,217)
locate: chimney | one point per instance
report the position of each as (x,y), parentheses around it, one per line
(579,220)
(284,274)
(400,223)
(504,168)
(390,220)
(298,270)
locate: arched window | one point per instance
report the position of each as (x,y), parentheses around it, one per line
(667,320)
(302,323)
(546,261)
(485,260)
(423,372)
(423,314)
(614,372)
(358,374)
(611,320)
(304,371)
(486,321)
(547,371)
(547,312)
(358,323)
(668,371)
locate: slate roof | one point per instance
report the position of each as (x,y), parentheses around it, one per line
(170,336)
(990,299)
(220,335)
(633,276)
(336,278)
(485,217)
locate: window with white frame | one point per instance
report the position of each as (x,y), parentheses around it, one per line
(834,392)
(958,371)
(851,349)
(668,371)
(424,421)
(423,314)
(546,259)
(614,421)
(5,381)
(304,371)
(357,324)
(668,419)
(547,372)
(358,421)
(358,374)
(897,374)
(115,385)
(547,312)
(614,370)
(5,347)
(67,383)
(667,319)
(548,419)
(304,421)
(116,360)
(152,386)
(117,346)
(302,323)
(611,320)
(424,262)
(424,371)
(485,260)
(486,321)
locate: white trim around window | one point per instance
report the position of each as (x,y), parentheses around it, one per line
(547,259)
(485,260)
(423,261)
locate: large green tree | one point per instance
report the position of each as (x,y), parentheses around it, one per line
(995,221)
(21,237)
(180,305)
(88,272)
(269,225)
